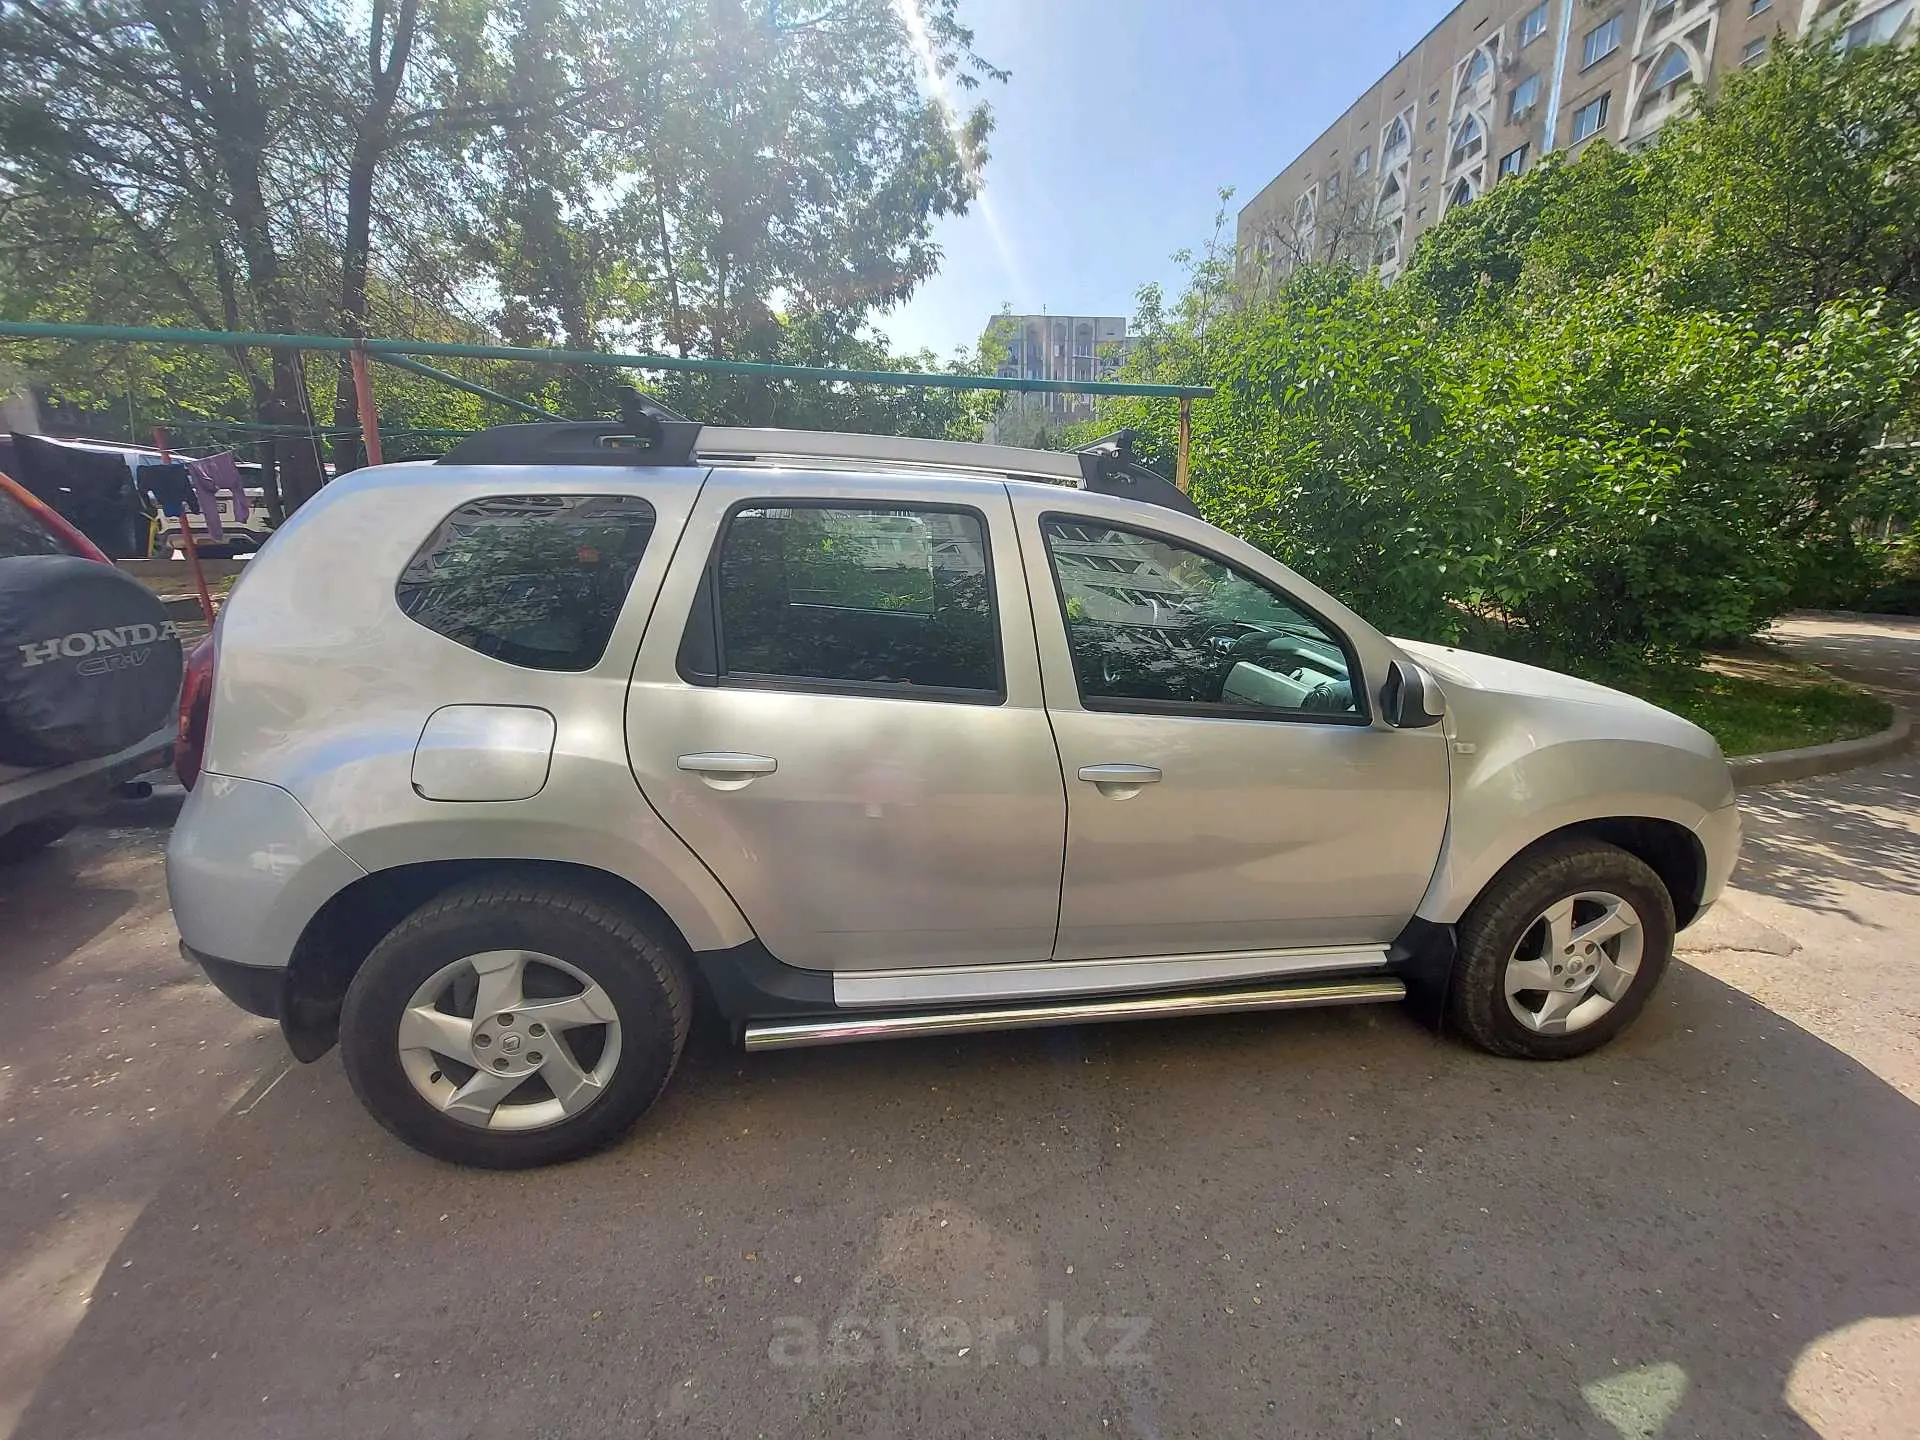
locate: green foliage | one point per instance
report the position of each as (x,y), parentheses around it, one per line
(1618,409)
(730,178)
(1750,715)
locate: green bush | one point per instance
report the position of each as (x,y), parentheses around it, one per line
(1608,416)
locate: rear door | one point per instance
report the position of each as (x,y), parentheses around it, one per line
(838,707)
(1229,787)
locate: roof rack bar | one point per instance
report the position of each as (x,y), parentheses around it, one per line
(907,379)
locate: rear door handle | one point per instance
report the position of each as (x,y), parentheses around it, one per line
(728,769)
(1120,782)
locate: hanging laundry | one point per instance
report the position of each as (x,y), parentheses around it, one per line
(170,486)
(211,475)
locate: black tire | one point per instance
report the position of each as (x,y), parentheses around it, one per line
(1507,910)
(33,837)
(642,969)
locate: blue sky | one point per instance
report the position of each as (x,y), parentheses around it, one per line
(1122,120)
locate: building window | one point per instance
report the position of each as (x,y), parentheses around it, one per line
(1526,95)
(1468,142)
(1673,76)
(1591,117)
(1425,181)
(1753,52)
(1389,245)
(1601,42)
(1534,23)
(1333,187)
(1395,142)
(1461,194)
(1475,72)
(1665,11)
(1392,193)
(1754,7)
(1421,213)
(1878,28)
(1363,162)
(1426,157)
(1513,162)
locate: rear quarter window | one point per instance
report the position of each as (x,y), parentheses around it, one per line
(532,580)
(22,534)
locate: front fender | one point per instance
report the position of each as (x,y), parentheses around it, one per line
(1519,788)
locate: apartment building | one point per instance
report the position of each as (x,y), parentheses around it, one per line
(1061,347)
(1496,85)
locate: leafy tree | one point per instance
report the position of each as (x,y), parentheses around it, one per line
(170,117)
(747,178)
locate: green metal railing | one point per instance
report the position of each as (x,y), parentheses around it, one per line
(906,379)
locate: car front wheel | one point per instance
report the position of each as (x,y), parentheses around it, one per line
(1561,952)
(509,1024)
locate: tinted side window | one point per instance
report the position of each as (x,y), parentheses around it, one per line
(534,580)
(867,596)
(1152,623)
(21,534)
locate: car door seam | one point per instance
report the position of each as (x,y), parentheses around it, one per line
(1046,711)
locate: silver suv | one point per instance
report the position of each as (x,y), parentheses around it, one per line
(508,756)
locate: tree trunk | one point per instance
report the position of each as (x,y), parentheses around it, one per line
(355,262)
(229,80)
(386,70)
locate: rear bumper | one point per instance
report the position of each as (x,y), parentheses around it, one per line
(78,788)
(254,988)
(247,868)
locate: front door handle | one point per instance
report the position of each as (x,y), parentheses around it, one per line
(728,769)
(1120,782)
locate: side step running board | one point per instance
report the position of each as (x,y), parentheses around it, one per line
(793,1034)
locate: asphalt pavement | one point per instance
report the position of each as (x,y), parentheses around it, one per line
(1326,1223)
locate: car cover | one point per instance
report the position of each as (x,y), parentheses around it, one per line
(89,662)
(93,488)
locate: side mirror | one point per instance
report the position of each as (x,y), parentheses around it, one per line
(1410,700)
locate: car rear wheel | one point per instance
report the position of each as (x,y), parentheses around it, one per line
(509,1024)
(1561,952)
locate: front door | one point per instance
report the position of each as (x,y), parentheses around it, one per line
(1227,786)
(838,708)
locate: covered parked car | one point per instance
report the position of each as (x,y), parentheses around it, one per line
(862,738)
(89,676)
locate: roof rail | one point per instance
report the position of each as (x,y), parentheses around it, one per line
(722,444)
(647,433)
(1106,467)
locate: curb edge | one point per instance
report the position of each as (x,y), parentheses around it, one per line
(1778,765)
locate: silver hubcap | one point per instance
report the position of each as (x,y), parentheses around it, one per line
(509,1040)
(1574,963)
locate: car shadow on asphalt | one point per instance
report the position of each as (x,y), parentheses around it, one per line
(1331,1223)
(1808,843)
(50,907)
